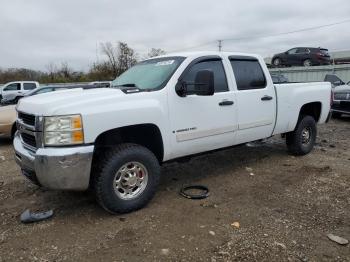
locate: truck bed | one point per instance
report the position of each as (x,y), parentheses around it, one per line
(292,96)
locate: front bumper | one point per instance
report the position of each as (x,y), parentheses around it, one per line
(56,168)
(342,107)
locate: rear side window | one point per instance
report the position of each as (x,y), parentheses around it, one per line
(220,82)
(29,86)
(13,87)
(248,74)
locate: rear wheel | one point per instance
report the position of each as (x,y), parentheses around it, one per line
(126,178)
(302,140)
(307,62)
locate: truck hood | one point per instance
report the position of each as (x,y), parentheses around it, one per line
(342,89)
(69,101)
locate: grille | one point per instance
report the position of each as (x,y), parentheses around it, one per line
(29,139)
(27,119)
(341,96)
(345,106)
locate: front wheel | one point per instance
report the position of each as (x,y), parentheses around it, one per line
(302,140)
(277,62)
(126,178)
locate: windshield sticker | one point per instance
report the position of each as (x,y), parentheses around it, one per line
(165,63)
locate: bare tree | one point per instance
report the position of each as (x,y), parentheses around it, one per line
(52,70)
(156,52)
(112,55)
(65,71)
(120,57)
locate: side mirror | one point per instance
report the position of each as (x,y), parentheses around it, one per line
(203,85)
(338,83)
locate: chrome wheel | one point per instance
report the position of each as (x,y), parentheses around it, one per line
(130,180)
(307,62)
(306,135)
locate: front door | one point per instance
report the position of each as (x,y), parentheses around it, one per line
(202,123)
(11,89)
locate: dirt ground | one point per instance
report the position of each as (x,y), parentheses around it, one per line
(285,207)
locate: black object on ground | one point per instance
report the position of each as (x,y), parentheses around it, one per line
(204,192)
(31,217)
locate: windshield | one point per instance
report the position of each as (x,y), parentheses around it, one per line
(150,74)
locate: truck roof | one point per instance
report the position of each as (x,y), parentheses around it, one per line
(206,53)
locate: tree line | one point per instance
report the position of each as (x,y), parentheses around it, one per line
(117,58)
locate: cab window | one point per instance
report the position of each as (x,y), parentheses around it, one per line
(248,74)
(13,87)
(220,81)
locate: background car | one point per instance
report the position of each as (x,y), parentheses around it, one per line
(302,56)
(341,96)
(18,88)
(102,84)
(334,80)
(8,112)
(40,90)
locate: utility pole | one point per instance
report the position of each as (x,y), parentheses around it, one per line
(220,45)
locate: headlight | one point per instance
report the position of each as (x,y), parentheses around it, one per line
(63,130)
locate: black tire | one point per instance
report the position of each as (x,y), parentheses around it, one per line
(277,62)
(296,142)
(336,115)
(106,169)
(13,131)
(307,62)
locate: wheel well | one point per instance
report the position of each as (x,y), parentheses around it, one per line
(311,109)
(147,135)
(13,130)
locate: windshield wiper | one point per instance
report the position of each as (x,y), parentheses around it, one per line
(127,85)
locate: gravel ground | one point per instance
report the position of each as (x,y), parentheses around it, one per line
(285,206)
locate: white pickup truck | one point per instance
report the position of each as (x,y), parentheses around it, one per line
(114,140)
(12,90)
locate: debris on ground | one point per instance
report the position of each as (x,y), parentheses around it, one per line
(235,224)
(212,233)
(337,239)
(280,245)
(31,217)
(165,251)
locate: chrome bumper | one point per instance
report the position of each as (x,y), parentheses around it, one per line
(56,168)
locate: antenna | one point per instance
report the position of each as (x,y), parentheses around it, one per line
(220,45)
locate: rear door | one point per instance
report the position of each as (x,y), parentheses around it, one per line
(28,87)
(255,95)
(202,123)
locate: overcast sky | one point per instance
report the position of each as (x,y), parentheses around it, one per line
(34,33)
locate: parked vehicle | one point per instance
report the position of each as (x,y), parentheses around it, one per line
(14,98)
(341,96)
(334,80)
(302,56)
(279,78)
(162,109)
(8,121)
(8,112)
(18,88)
(101,84)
